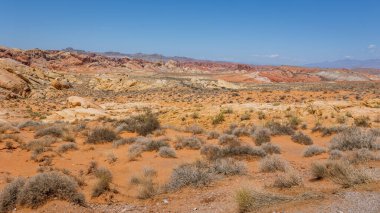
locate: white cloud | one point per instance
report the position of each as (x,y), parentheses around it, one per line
(371,46)
(267,56)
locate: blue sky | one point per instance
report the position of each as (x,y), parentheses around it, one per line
(250,31)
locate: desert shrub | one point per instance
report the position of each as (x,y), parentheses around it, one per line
(123,141)
(362,121)
(213,152)
(271,148)
(294,121)
(143,124)
(29,124)
(252,201)
(361,155)
(340,172)
(202,173)
(245,200)
(188,142)
(301,138)
(218,119)
(246,116)
(344,174)
(261,135)
(47,186)
(240,130)
(288,180)
(103,184)
(341,119)
(7,127)
(261,115)
(318,170)
(195,174)
(10,194)
(167,152)
(111,158)
(155,145)
(101,135)
(353,138)
(67,146)
(56,131)
(229,166)
(335,154)
(278,128)
(273,163)
(135,151)
(147,189)
(229,140)
(313,150)
(326,131)
(213,135)
(195,129)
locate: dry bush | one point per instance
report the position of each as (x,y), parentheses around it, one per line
(218,119)
(261,135)
(340,172)
(213,135)
(212,152)
(167,152)
(188,142)
(101,135)
(135,151)
(246,116)
(56,131)
(361,155)
(288,180)
(354,138)
(273,163)
(252,201)
(195,174)
(341,119)
(326,131)
(10,194)
(335,154)
(202,173)
(147,189)
(294,121)
(67,146)
(313,150)
(43,187)
(301,138)
(111,158)
(270,148)
(319,170)
(195,129)
(229,166)
(243,130)
(123,141)
(29,124)
(143,124)
(279,129)
(229,140)
(362,121)
(103,184)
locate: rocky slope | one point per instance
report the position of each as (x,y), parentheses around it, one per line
(24,71)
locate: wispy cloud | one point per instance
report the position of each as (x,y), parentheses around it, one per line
(371,46)
(267,56)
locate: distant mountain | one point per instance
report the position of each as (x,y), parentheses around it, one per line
(348,64)
(146,57)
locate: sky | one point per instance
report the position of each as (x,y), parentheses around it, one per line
(293,32)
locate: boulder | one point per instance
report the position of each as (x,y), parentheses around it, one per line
(74,101)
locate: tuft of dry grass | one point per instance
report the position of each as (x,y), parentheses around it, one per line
(288,180)
(103,184)
(261,136)
(354,138)
(167,152)
(273,163)
(313,150)
(270,148)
